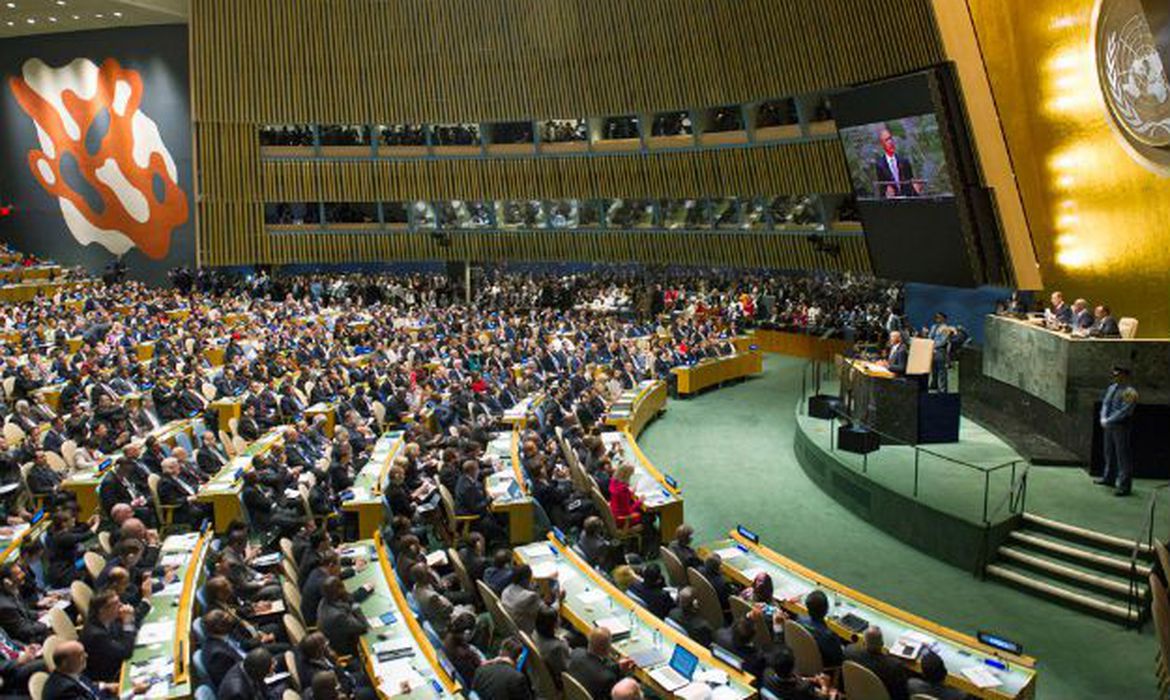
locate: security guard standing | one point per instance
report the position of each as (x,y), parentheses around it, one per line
(940,335)
(1117,409)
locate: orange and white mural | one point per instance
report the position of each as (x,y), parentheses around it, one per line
(129,168)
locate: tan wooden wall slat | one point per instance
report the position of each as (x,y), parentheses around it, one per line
(425,61)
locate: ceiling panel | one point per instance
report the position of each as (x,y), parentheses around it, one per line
(29,17)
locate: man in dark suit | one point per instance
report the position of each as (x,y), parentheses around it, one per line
(893,174)
(16,618)
(174,491)
(593,666)
(245,681)
(899,354)
(339,618)
(120,486)
(108,636)
(499,677)
(211,456)
(220,651)
(686,614)
(471,499)
(1105,326)
(69,681)
(869,654)
(817,605)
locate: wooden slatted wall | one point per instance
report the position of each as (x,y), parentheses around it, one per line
(424,61)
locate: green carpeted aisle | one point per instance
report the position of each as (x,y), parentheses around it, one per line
(731,450)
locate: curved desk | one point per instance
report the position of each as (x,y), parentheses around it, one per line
(84,484)
(366,493)
(635,408)
(717,370)
(807,345)
(743,558)
(591,600)
(514,501)
(659,493)
(162,651)
(393,627)
(223,490)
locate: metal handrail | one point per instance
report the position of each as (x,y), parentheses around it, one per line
(1017,493)
(1145,535)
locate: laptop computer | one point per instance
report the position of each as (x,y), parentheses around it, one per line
(678,672)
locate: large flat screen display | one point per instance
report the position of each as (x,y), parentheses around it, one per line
(897,159)
(926,216)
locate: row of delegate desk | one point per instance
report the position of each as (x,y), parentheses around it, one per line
(714,371)
(744,557)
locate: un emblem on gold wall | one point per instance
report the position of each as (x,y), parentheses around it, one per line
(1133,78)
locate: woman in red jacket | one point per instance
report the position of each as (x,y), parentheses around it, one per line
(625,506)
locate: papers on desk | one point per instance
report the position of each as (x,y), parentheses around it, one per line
(266,560)
(154,633)
(728,553)
(617,627)
(179,543)
(533,550)
(592,597)
(437,558)
(712,676)
(174,588)
(694,691)
(156,672)
(174,559)
(982,677)
(910,645)
(392,675)
(544,569)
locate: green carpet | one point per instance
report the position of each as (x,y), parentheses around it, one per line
(731,450)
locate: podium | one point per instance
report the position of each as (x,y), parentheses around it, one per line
(897,407)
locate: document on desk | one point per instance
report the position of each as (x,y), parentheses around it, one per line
(392,674)
(982,677)
(592,597)
(729,553)
(154,633)
(544,569)
(533,550)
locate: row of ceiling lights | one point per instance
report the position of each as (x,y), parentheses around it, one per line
(52,19)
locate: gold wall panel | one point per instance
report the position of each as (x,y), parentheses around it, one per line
(425,61)
(1100,220)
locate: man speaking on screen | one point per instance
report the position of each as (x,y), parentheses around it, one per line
(894,173)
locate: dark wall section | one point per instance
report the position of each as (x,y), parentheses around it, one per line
(108,173)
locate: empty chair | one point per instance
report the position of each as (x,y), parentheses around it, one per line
(69,453)
(94,564)
(62,626)
(294,628)
(292,598)
(862,683)
(290,664)
(675,571)
(709,606)
(504,623)
(13,434)
(36,684)
(804,649)
(48,649)
(81,594)
(1127,326)
(573,688)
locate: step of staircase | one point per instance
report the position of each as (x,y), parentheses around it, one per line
(1114,563)
(1100,539)
(1113,585)
(1030,581)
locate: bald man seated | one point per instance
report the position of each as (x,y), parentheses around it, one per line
(870,653)
(69,681)
(626,689)
(593,666)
